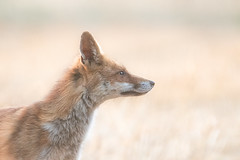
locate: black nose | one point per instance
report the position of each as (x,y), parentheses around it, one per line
(152,83)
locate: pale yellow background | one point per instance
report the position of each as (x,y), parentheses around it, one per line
(190,48)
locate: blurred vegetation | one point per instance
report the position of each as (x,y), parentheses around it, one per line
(155,12)
(190,48)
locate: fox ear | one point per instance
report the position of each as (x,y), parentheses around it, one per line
(89,48)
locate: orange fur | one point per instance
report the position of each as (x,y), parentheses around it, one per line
(53,129)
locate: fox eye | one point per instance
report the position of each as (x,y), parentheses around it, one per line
(122,73)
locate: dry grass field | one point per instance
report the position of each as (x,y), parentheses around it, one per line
(191,114)
(191,49)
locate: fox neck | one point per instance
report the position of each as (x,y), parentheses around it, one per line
(68,95)
(67,115)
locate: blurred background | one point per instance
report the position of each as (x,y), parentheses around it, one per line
(190,48)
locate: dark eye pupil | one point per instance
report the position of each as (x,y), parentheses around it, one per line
(121,73)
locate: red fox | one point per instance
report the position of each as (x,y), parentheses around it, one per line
(54,129)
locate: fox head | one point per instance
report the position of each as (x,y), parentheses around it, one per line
(105,79)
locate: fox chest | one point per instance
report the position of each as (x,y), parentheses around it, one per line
(65,137)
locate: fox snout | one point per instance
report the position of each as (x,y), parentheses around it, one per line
(145,86)
(138,89)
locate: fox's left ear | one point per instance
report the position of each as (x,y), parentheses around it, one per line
(90,50)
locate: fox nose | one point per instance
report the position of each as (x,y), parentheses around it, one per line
(152,83)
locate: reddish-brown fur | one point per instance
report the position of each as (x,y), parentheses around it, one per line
(53,129)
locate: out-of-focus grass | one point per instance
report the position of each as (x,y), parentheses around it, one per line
(192,112)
